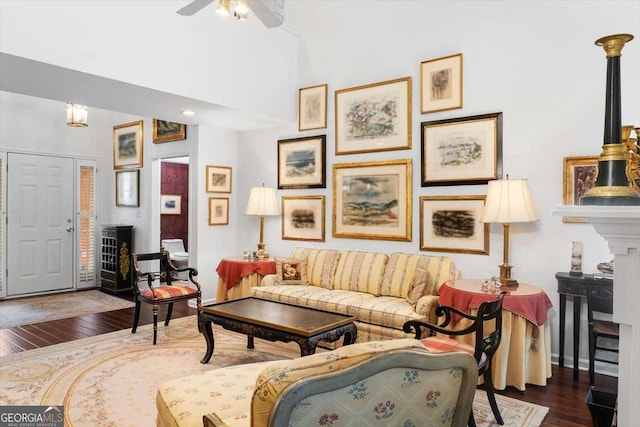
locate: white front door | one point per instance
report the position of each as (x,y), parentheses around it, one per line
(40,225)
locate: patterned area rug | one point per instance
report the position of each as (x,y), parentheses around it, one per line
(57,306)
(111,380)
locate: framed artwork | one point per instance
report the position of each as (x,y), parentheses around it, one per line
(452,224)
(374,117)
(301,162)
(465,150)
(218,210)
(441,84)
(127,145)
(579,176)
(164,131)
(372,200)
(128,188)
(218,179)
(303,218)
(312,107)
(170,204)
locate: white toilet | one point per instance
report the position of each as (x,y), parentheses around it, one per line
(177,254)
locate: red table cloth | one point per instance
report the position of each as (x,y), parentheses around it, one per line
(232,269)
(526,301)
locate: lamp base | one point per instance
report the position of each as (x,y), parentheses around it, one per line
(509,283)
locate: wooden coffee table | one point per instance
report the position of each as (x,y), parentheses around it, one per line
(276,321)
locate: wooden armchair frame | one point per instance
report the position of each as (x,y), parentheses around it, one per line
(171,291)
(485,344)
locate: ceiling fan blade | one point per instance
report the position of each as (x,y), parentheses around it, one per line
(193,7)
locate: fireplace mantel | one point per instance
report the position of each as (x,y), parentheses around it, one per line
(620,226)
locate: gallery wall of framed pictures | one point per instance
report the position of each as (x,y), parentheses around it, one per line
(373,199)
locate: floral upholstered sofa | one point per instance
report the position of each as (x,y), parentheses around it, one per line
(393,382)
(382,291)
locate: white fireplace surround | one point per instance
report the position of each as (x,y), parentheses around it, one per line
(620,226)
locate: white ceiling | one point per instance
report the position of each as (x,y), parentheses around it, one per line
(44,80)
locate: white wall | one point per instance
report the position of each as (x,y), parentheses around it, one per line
(534,61)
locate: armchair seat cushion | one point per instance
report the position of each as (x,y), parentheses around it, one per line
(163,292)
(437,344)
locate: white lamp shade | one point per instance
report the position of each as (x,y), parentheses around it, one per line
(77,115)
(262,201)
(509,201)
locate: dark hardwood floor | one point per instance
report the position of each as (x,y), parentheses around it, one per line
(564,396)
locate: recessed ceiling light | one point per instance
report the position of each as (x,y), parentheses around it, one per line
(188,113)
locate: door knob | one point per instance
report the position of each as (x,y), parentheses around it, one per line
(69,229)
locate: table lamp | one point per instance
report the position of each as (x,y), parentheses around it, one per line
(262,201)
(508,201)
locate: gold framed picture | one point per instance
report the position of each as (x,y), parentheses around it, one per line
(463,150)
(218,179)
(373,117)
(164,131)
(372,200)
(453,224)
(218,210)
(579,176)
(312,107)
(441,84)
(303,218)
(127,145)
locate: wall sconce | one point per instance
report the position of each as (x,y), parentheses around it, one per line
(262,201)
(77,115)
(508,201)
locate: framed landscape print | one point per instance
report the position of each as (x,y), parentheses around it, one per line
(128,188)
(218,210)
(374,117)
(372,200)
(301,162)
(579,176)
(218,179)
(170,204)
(452,224)
(127,145)
(303,218)
(312,107)
(441,84)
(164,131)
(465,150)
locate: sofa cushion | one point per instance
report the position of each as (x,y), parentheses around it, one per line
(321,265)
(289,294)
(401,267)
(291,271)
(391,312)
(277,376)
(361,272)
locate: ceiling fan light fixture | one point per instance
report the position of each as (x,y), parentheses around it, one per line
(223,7)
(241,10)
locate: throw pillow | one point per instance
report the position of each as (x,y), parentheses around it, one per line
(418,286)
(291,271)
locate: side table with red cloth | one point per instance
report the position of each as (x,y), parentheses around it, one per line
(237,275)
(524,354)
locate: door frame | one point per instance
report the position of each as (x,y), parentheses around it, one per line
(4,273)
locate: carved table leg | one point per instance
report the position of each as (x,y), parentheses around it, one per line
(205,326)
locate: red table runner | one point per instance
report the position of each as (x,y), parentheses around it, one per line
(232,269)
(527,301)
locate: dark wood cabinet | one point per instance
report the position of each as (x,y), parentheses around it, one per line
(116,243)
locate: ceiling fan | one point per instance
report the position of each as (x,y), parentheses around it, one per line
(269,12)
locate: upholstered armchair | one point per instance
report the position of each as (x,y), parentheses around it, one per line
(391,382)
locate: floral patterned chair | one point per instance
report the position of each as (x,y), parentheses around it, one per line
(392,382)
